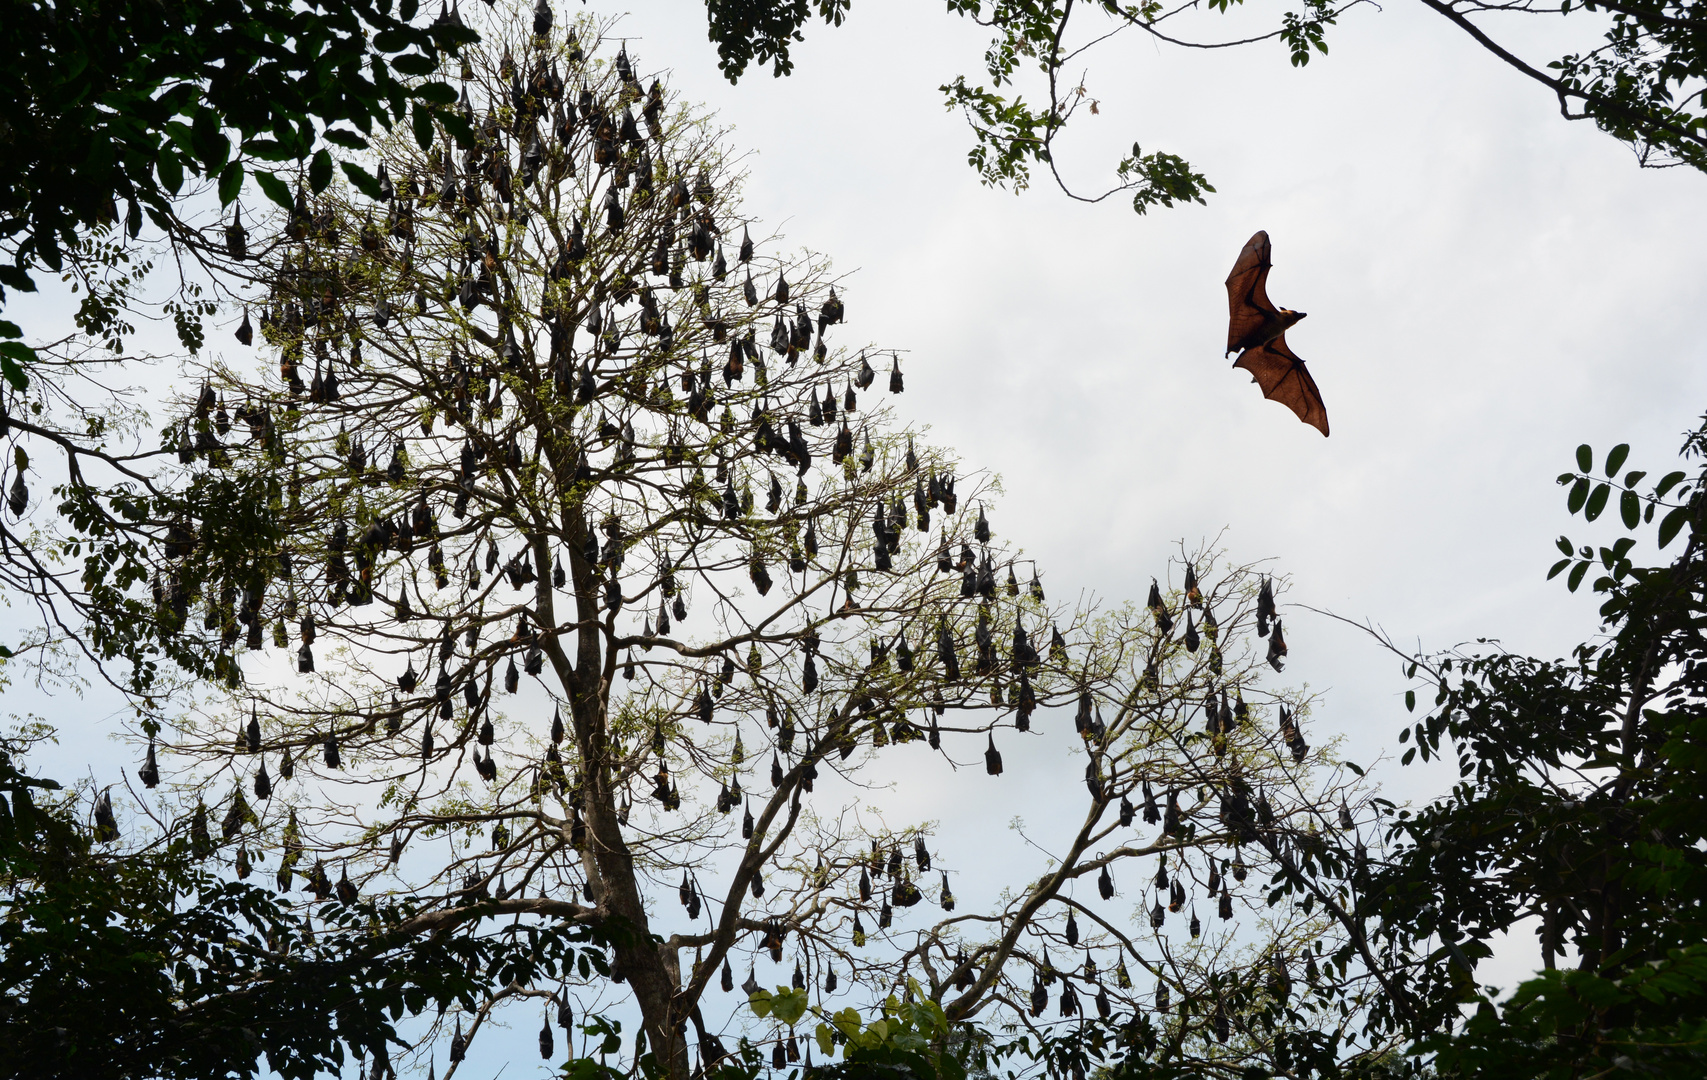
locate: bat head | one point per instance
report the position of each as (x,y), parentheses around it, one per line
(1290,317)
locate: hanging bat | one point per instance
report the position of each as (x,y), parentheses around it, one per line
(1256,330)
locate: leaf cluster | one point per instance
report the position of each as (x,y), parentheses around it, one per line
(148,964)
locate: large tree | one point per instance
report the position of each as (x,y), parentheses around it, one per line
(116,117)
(550,420)
(1578,811)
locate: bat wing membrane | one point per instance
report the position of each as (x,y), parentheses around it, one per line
(1248,306)
(1284,378)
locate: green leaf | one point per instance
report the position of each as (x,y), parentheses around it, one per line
(1558,568)
(760,1003)
(1409,755)
(435,93)
(1671,523)
(366,183)
(414,64)
(826,1040)
(1630,508)
(789,1005)
(211,146)
(422,121)
(171,170)
(345,138)
(320,170)
(230,183)
(1576,577)
(13,355)
(1667,482)
(1615,459)
(1410,701)
(1579,495)
(1597,501)
(275,189)
(1585,458)
(846,1021)
(1564,544)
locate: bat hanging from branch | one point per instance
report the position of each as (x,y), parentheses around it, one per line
(1256,330)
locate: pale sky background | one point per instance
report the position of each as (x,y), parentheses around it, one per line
(1487,286)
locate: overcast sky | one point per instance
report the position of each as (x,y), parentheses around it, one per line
(1487,286)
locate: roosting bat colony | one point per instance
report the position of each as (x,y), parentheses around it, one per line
(611,590)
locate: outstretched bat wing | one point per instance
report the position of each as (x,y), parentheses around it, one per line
(1248,306)
(1284,378)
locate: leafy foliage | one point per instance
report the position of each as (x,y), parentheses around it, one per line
(148,964)
(1641,84)
(111,106)
(1581,806)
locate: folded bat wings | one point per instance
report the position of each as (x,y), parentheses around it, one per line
(1256,329)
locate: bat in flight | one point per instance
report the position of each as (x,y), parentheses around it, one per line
(1256,330)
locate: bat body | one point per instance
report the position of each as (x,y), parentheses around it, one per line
(1256,330)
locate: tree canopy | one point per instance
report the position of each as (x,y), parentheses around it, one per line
(1636,75)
